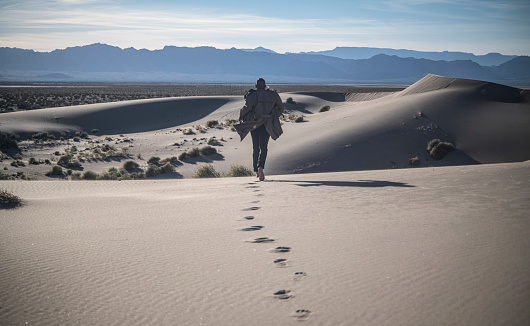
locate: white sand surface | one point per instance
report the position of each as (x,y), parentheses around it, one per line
(427,246)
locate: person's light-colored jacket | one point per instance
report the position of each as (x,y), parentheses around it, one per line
(262,107)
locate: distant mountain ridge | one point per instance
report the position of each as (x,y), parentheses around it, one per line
(101,62)
(490,59)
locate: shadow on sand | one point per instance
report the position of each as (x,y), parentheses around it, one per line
(360,183)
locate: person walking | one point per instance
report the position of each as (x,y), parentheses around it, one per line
(261,117)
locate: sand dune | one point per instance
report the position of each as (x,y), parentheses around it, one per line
(115,118)
(486,122)
(432,246)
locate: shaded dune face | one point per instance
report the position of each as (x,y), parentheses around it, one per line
(486,122)
(114,118)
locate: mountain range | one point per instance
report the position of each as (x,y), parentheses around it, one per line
(101,62)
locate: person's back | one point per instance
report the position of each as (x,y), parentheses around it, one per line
(260,117)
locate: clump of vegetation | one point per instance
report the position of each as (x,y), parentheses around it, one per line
(9,200)
(212,123)
(155,160)
(68,161)
(7,142)
(94,131)
(208,150)
(153,170)
(130,165)
(296,118)
(83,134)
(325,108)
(290,100)
(44,136)
(196,152)
(89,175)
(438,149)
(214,141)
(17,163)
(55,171)
(206,171)
(239,171)
(415,161)
(188,131)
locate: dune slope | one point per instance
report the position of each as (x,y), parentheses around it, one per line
(431,246)
(486,122)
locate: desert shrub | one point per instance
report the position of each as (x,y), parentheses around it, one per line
(230,122)
(9,200)
(299,119)
(42,136)
(415,161)
(65,160)
(438,149)
(4,176)
(152,171)
(89,175)
(212,123)
(94,131)
(188,131)
(84,135)
(130,165)
(33,160)
(208,150)
(183,156)
(7,142)
(167,168)
(107,147)
(171,159)
(290,100)
(56,170)
(239,171)
(194,152)
(154,160)
(17,163)
(206,171)
(325,108)
(432,143)
(75,176)
(77,139)
(214,141)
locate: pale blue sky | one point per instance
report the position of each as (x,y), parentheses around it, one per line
(477,26)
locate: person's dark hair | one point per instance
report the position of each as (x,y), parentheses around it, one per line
(261,83)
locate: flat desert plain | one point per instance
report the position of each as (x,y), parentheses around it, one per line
(343,231)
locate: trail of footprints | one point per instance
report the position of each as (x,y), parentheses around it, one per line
(283,294)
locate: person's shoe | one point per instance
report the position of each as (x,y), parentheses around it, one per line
(261,175)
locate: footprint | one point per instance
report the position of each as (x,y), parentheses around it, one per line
(254,202)
(262,240)
(252,228)
(299,276)
(249,217)
(302,314)
(252,187)
(254,208)
(281,249)
(281,262)
(283,294)
(258,190)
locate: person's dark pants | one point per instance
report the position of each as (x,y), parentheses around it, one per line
(260,140)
